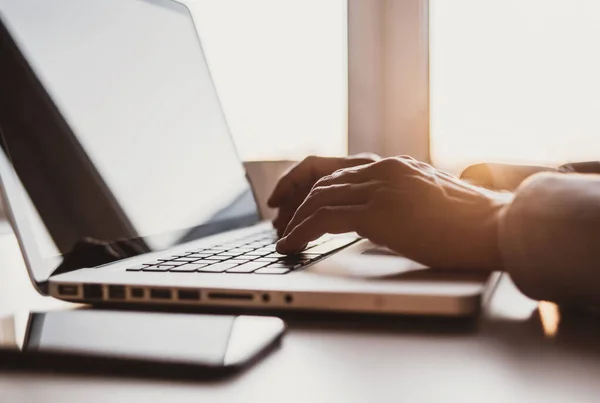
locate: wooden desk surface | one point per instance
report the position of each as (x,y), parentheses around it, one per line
(517,352)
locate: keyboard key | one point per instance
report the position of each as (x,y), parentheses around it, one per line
(166,263)
(242,259)
(241,250)
(211,251)
(198,255)
(230,253)
(278,255)
(139,267)
(186,268)
(179,255)
(217,268)
(265,250)
(257,245)
(158,268)
(267,259)
(257,253)
(294,261)
(292,266)
(272,270)
(215,258)
(185,260)
(247,267)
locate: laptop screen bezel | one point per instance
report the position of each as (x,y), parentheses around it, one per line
(10,191)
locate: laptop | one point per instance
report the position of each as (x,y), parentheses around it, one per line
(123,185)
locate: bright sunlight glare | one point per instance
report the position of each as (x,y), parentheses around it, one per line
(280,67)
(514,81)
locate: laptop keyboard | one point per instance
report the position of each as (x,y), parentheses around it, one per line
(253,254)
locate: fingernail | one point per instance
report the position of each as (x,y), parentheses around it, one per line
(280,244)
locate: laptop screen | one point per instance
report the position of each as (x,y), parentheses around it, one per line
(111,121)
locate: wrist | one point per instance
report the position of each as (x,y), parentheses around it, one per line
(489,254)
(499,208)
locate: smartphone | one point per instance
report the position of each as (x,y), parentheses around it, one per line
(176,345)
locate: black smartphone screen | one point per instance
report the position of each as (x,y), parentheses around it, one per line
(208,341)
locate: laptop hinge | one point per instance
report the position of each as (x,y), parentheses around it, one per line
(43,287)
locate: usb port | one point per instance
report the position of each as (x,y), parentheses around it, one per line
(160,293)
(68,290)
(188,295)
(116,292)
(137,292)
(92,291)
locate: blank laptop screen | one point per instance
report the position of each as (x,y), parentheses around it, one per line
(141,149)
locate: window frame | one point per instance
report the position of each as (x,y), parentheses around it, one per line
(388,77)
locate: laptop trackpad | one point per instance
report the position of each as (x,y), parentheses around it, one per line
(367,260)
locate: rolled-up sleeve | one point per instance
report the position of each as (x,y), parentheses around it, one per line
(550,238)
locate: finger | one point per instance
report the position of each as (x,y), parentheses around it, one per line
(284,216)
(479,175)
(332,220)
(334,195)
(287,209)
(406,157)
(352,175)
(385,169)
(301,175)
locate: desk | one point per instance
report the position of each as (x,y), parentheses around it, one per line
(515,353)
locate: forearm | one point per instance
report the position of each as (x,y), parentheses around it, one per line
(550,238)
(509,177)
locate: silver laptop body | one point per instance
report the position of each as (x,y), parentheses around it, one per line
(123,185)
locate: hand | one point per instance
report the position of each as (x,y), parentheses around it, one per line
(422,213)
(501,176)
(295,184)
(585,167)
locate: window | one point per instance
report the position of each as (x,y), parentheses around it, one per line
(280,67)
(514,81)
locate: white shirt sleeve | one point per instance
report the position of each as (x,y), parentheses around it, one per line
(550,238)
